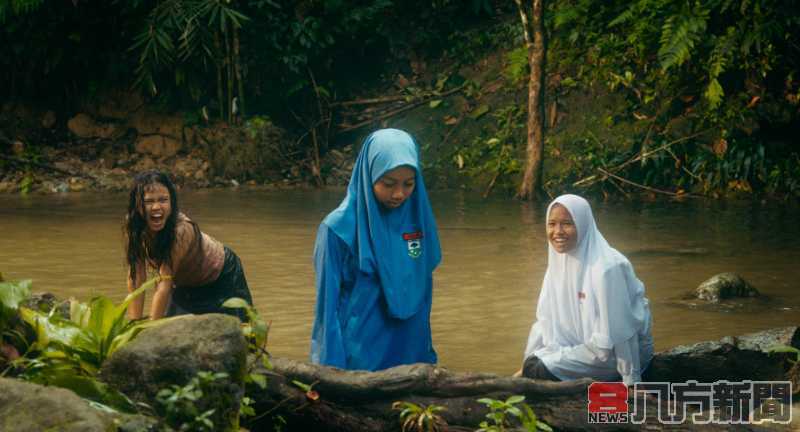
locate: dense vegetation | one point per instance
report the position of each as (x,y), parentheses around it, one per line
(702,96)
(66,344)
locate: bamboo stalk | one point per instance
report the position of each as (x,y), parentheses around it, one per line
(238,70)
(229,71)
(217,45)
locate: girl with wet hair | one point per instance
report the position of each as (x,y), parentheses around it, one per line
(374,259)
(593,319)
(197,272)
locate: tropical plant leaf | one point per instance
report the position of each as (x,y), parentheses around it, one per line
(13,293)
(679,35)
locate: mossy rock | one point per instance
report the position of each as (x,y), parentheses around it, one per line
(175,352)
(725,286)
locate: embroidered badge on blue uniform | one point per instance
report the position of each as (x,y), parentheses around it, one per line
(414,240)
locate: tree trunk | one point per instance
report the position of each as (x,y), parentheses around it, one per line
(533,23)
(362,401)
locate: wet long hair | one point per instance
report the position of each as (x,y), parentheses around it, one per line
(141,248)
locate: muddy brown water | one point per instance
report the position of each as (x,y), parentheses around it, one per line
(485,291)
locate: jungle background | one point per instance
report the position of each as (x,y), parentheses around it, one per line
(642,98)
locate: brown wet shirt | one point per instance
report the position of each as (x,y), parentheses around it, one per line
(195,266)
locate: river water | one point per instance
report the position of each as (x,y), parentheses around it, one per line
(485,291)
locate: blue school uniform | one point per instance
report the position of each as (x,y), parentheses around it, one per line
(374,268)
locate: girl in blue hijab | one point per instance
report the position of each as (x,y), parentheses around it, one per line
(374,259)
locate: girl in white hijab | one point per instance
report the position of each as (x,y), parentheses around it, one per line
(593,319)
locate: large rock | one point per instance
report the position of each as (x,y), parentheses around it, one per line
(158,145)
(32,407)
(83,126)
(725,286)
(148,123)
(257,150)
(28,407)
(733,358)
(119,104)
(49,119)
(174,352)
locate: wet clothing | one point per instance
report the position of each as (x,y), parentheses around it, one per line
(202,262)
(593,319)
(535,368)
(374,267)
(208,298)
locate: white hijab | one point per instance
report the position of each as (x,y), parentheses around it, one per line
(590,294)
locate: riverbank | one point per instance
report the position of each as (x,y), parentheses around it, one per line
(468,115)
(88,154)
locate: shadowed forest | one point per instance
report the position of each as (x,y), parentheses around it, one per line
(674,97)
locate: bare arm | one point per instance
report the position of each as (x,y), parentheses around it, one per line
(136,306)
(163,293)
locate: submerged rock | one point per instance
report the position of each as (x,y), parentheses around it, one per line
(725,286)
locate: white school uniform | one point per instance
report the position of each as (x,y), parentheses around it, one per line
(593,319)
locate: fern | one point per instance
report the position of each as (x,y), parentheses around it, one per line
(624,17)
(679,35)
(637,10)
(721,55)
(714,93)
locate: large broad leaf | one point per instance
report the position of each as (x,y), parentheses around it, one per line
(79,313)
(89,388)
(257,327)
(131,331)
(105,323)
(50,328)
(12,294)
(93,333)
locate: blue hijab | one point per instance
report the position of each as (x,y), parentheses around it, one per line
(374,235)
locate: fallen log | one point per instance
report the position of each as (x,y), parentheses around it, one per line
(362,401)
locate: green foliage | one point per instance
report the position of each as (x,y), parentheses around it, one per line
(68,352)
(17,7)
(51,358)
(420,418)
(680,33)
(498,156)
(26,184)
(179,404)
(786,349)
(467,46)
(12,338)
(256,332)
(717,65)
(501,412)
(11,295)
(517,70)
(181,36)
(91,334)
